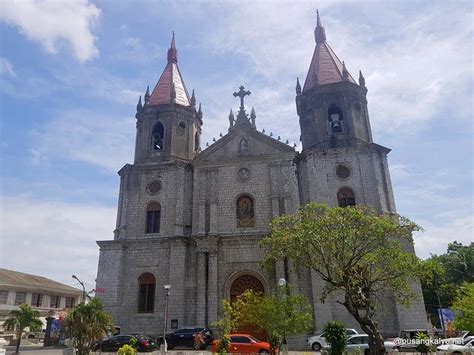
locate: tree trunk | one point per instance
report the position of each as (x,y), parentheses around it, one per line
(369,326)
(20,332)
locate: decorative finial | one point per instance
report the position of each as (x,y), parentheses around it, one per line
(271,134)
(263,130)
(173,52)
(200,111)
(231,118)
(287,141)
(220,135)
(139,105)
(253,117)
(294,145)
(214,139)
(279,138)
(361,79)
(298,87)
(207,144)
(345,73)
(319,32)
(193,100)
(147,94)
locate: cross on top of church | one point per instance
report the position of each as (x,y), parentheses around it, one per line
(241,93)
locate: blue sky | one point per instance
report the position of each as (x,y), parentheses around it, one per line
(71,73)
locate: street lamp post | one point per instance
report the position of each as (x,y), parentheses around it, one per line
(83,289)
(282,283)
(165,325)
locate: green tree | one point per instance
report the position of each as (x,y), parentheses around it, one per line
(453,268)
(356,252)
(335,334)
(22,318)
(280,315)
(225,325)
(87,324)
(464,308)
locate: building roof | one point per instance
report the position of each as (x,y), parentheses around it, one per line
(170,87)
(20,280)
(325,67)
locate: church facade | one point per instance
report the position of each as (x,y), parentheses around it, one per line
(192,218)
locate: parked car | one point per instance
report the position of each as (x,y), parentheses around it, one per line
(467,345)
(34,336)
(185,337)
(143,343)
(407,339)
(318,341)
(359,343)
(244,344)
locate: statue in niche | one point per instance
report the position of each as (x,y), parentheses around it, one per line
(244,146)
(245,212)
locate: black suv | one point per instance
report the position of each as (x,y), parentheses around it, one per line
(185,337)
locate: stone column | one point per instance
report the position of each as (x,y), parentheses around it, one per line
(201,288)
(212,287)
(322,311)
(176,276)
(201,223)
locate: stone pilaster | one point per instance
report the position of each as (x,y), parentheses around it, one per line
(201,288)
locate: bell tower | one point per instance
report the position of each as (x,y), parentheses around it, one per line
(340,165)
(168,124)
(332,107)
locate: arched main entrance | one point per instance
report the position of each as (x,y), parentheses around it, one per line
(238,287)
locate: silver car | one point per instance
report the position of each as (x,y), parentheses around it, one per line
(318,341)
(360,343)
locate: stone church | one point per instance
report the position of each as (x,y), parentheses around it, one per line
(192,218)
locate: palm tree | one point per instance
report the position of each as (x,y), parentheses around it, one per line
(87,324)
(21,318)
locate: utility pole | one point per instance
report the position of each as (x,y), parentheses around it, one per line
(165,325)
(83,289)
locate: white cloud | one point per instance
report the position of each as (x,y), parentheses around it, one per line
(412,72)
(50,21)
(437,236)
(87,137)
(53,239)
(6,68)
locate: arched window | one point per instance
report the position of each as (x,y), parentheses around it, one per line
(196,142)
(335,119)
(146,293)
(245,211)
(153,214)
(244,283)
(158,136)
(345,197)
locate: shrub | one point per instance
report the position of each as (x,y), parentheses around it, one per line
(335,333)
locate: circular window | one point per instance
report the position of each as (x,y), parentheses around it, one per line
(343,172)
(182,125)
(154,187)
(243,174)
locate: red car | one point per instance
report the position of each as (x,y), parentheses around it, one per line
(244,343)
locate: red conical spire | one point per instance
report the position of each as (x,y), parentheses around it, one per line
(319,32)
(170,87)
(173,52)
(325,67)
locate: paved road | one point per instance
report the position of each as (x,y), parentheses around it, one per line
(40,350)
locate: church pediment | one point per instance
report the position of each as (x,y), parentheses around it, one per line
(244,140)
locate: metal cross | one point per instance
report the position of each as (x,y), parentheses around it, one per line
(241,93)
